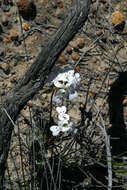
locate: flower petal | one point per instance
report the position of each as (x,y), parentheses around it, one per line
(61,91)
(63,123)
(55,130)
(67,127)
(77,77)
(57,99)
(73,95)
(59,84)
(63,117)
(64,129)
(56,133)
(61,110)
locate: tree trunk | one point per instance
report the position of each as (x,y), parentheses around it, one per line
(34,78)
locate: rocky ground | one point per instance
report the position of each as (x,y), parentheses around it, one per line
(102,41)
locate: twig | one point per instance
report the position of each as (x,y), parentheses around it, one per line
(89,48)
(108,151)
(15,126)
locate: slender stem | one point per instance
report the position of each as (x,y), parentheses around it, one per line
(51,103)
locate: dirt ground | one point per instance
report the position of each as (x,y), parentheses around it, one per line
(105,54)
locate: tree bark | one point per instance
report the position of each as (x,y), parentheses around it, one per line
(34,78)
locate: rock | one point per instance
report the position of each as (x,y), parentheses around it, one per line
(118,20)
(60,5)
(26,26)
(75,56)
(12,78)
(5,20)
(44,95)
(94,60)
(1,29)
(2,52)
(42,102)
(73,43)
(14,36)
(63,59)
(7,39)
(125,101)
(9,85)
(5,67)
(80,43)
(69,50)
(2,92)
(99,32)
(27,9)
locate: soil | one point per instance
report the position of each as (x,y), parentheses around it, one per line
(21,40)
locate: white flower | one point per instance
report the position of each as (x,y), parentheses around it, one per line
(73,95)
(62,113)
(55,130)
(67,79)
(65,125)
(61,91)
(73,78)
(57,99)
(59,76)
(60,81)
(70,72)
(77,77)
(75,131)
(61,110)
(63,117)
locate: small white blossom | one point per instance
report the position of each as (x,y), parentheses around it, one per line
(73,95)
(65,125)
(63,117)
(70,72)
(61,91)
(67,79)
(73,79)
(60,81)
(61,110)
(55,130)
(75,131)
(57,99)
(77,77)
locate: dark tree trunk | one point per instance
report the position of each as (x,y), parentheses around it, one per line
(34,78)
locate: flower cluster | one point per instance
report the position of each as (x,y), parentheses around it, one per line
(66,84)
(63,124)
